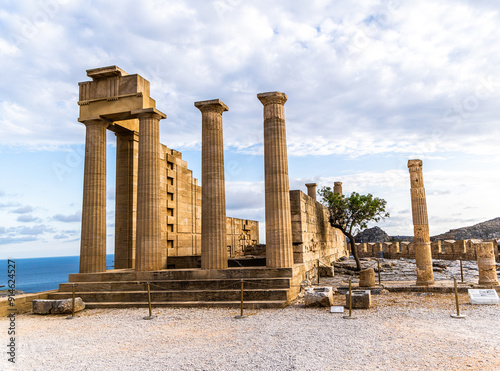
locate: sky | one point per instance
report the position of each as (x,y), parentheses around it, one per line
(370,84)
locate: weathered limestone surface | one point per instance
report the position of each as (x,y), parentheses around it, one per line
(361,299)
(214,252)
(93,240)
(337,187)
(279,251)
(486,263)
(318,297)
(313,237)
(47,306)
(148,254)
(367,278)
(311,190)
(422,245)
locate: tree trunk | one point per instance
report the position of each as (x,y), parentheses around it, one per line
(354,251)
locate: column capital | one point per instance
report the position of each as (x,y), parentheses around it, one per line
(96,122)
(414,165)
(212,105)
(149,112)
(338,184)
(273,97)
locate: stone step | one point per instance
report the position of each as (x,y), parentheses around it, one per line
(182,274)
(177,296)
(213,284)
(261,304)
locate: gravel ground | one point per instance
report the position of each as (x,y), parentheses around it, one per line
(404,331)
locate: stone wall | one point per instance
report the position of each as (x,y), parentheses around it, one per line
(313,237)
(446,250)
(181,212)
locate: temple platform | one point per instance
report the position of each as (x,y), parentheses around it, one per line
(120,288)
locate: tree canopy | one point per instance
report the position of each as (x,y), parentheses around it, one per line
(352,214)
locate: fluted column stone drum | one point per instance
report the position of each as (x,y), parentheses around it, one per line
(93,235)
(279,250)
(214,253)
(423,255)
(148,239)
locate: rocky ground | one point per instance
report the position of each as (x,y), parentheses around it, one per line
(402,331)
(404,270)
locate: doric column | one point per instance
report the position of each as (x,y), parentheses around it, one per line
(423,255)
(214,254)
(127,154)
(337,188)
(311,190)
(486,264)
(93,240)
(148,238)
(279,250)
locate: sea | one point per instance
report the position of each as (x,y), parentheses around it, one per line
(42,274)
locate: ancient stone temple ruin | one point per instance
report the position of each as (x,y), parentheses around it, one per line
(173,233)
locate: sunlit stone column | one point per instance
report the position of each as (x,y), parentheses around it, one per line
(214,254)
(337,188)
(311,190)
(148,239)
(486,264)
(423,255)
(127,154)
(279,250)
(93,239)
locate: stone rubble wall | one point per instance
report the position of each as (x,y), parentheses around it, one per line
(445,250)
(313,237)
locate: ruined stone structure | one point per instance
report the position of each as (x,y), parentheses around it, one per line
(423,257)
(174,234)
(443,250)
(158,202)
(313,237)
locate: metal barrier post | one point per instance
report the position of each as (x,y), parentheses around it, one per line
(149,304)
(458,315)
(72,305)
(241,303)
(350,303)
(378,268)
(461,271)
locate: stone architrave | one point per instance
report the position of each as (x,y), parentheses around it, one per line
(423,256)
(214,254)
(486,263)
(93,240)
(279,249)
(337,188)
(311,190)
(148,239)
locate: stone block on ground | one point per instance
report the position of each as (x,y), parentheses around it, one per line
(64,306)
(326,271)
(42,306)
(361,299)
(367,278)
(319,297)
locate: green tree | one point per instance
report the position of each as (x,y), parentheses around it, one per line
(353,213)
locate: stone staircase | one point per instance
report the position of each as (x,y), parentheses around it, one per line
(124,288)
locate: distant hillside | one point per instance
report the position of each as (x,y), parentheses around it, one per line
(483,231)
(374,234)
